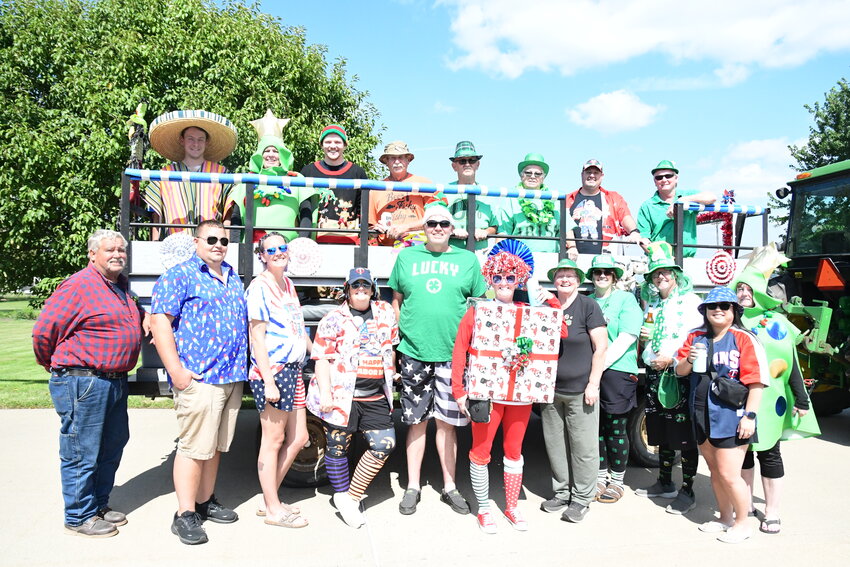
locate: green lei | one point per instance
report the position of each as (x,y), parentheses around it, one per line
(539,216)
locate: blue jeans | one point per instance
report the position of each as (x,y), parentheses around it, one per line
(94,430)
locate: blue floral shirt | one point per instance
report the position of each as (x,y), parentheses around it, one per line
(210,319)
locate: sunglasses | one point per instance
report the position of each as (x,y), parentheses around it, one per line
(360,284)
(723,306)
(275,249)
(466,161)
(435,224)
(212,240)
(497,279)
(532,173)
(664,176)
(604,272)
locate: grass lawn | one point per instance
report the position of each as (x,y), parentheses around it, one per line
(23,383)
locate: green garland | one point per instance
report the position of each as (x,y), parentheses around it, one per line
(539,216)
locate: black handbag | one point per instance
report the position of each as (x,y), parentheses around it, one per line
(479,410)
(727,390)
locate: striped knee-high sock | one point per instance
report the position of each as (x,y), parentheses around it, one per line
(480,478)
(366,469)
(337,468)
(513,482)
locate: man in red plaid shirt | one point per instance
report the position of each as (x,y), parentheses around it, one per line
(88,337)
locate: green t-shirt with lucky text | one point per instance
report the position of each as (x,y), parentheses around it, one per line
(435,286)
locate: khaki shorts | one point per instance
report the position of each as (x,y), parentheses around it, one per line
(206,418)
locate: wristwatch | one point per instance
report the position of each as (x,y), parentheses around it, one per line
(750,414)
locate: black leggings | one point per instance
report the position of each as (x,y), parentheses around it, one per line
(770,462)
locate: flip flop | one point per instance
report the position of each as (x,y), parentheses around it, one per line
(735,535)
(767,524)
(261,512)
(713,527)
(287,520)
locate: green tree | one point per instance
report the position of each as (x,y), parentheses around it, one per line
(829,137)
(72,72)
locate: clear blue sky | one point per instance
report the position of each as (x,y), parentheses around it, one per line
(718,88)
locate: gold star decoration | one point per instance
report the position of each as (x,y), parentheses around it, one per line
(269,125)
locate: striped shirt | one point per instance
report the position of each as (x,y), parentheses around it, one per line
(177,202)
(86,323)
(286,337)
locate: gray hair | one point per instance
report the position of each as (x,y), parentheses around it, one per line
(102,234)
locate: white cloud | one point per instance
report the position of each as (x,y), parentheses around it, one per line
(505,38)
(752,169)
(616,111)
(442,108)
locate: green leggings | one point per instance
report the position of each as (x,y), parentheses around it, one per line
(613,442)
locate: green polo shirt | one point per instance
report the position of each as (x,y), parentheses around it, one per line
(653,223)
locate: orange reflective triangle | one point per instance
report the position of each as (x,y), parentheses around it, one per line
(828,277)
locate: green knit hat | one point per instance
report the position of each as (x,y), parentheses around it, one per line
(605,262)
(533,159)
(565,263)
(666,164)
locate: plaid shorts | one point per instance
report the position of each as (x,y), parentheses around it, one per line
(427,392)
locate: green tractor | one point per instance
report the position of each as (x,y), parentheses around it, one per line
(815,282)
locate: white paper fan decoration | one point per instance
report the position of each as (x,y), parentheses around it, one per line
(176,248)
(305,259)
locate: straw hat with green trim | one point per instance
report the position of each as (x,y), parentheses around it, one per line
(564,264)
(666,164)
(604,262)
(166,129)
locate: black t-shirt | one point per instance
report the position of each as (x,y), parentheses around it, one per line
(576,350)
(589,222)
(343,209)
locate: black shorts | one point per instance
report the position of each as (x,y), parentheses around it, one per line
(367,416)
(703,433)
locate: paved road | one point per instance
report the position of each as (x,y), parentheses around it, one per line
(635,531)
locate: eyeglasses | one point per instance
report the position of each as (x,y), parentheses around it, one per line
(497,279)
(360,284)
(664,176)
(723,306)
(666,274)
(435,224)
(466,161)
(566,276)
(212,240)
(275,249)
(533,174)
(604,272)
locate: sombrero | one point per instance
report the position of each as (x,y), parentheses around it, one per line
(165,133)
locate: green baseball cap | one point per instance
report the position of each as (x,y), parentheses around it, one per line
(666,164)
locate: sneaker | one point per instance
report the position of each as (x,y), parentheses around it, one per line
(516,520)
(454,499)
(213,511)
(348,509)
(187,526)
(93,527)
(112,516)
(554,504)
(408,503)
(487,523)
(683,503)
(658,490)
(575,512)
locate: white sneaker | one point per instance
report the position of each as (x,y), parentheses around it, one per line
(348,509)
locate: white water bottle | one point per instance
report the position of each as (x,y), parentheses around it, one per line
(534,290)
(700,365)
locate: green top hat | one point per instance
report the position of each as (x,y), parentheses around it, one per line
(666,164)
(756,280)
(565,263)
(465,149)
(533,159)
(660,256)
(604,261)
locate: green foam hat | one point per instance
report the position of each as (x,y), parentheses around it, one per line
(565,263)
(286,160)
(660,256)
(756,280)
(604,261)
(666,164)
(533,159)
